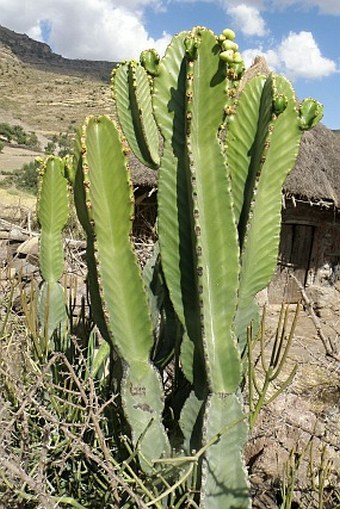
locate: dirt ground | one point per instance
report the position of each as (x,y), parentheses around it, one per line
(15,203)
(13,158)
(304,418)
(9,118)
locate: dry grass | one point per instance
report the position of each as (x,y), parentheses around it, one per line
(12,158)
(14,203)
(300,413)
(48,102)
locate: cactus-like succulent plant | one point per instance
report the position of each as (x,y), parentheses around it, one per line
(104,201)
(222,163)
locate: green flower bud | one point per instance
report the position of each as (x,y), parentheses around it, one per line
(228,44)
(229,34)
(238,58)
(280,102)
(227,56)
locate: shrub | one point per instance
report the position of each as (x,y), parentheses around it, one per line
(6,131)
(61,144)
(17,134)
(28,177)
(32,140)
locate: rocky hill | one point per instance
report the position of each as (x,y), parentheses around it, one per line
(45,92)
(40,55)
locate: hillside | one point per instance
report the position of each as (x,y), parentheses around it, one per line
(40,56)
(46,92)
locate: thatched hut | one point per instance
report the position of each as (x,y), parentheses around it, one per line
(310,237)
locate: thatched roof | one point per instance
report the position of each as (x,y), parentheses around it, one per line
(141,175)
(316,176)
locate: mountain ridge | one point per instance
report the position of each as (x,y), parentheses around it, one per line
(45,92)
(39,55)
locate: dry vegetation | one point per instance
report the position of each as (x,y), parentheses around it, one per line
(48,102)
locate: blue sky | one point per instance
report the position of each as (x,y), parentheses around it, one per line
(300,38)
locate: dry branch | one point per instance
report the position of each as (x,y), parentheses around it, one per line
(326,341)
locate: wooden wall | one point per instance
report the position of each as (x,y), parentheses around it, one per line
(309,249)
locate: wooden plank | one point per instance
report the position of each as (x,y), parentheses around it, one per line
(294,258)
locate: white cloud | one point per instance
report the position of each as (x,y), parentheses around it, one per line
(298,56)
(35,33)
(116,29)
(94,29)
(302,57)
(111,33)
(248,19)
(257,4)
(324,6)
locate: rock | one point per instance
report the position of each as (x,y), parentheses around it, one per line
(326,300)
(262,297)
(29,247)
(21,267)
(3,251)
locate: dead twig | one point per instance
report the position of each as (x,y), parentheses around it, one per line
(326,341)
(44,498)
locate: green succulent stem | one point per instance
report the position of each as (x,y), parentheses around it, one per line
(258,393)
(224,158)
(118,294)
(52,211)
